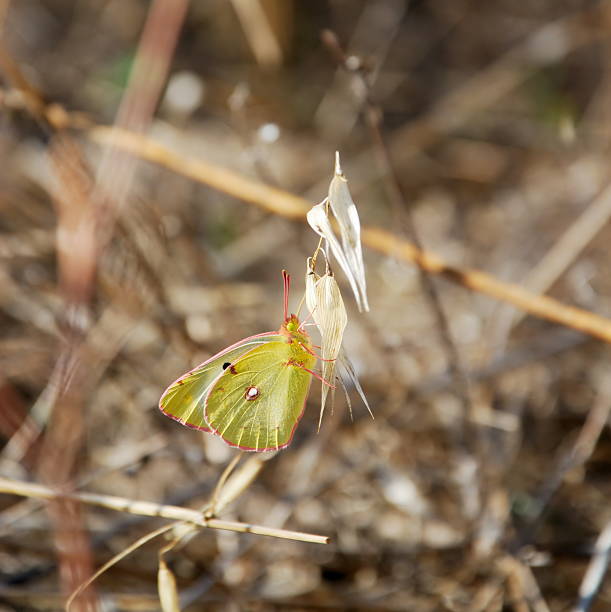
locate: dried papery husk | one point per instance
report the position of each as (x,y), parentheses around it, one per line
(166,586)
(324,300)
(344,210)
(319,221)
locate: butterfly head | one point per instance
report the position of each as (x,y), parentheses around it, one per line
(291,329)
(291,324)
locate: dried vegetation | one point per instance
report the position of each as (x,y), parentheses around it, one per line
(477,131)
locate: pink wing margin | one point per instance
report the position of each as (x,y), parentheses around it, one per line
(180,379)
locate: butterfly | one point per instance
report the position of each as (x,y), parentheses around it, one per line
(253,393)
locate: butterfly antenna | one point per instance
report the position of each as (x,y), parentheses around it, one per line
(287,285)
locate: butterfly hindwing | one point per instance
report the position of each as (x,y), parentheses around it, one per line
(257,403)
(184,399)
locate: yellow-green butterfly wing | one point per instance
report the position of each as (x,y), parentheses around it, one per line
(257,402)
(184,399)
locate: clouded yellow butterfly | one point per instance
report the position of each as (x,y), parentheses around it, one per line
(253,393)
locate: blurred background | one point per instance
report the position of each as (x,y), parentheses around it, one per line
(483,483)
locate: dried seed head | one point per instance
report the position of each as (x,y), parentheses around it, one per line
(345,212)
(166,586)
(319,222)
(324,300)
(348,254)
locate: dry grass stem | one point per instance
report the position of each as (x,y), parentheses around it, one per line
(280,202)
(238,482)
(143,508)
(259,32)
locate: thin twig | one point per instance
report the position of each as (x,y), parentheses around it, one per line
(556,261)
(577,455)
(487,86)
(137,452)
(184,528)
(144,508)
(398,201)
(290,206)
(524,590)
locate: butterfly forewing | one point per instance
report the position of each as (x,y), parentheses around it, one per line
(184,399)
(256,404)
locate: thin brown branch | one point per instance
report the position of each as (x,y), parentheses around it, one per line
(290,206)
(569,245)
(374,117)
(487,86)
(575,456)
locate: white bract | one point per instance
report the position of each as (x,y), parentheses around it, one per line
(325,302)
(349,254)
(323,296)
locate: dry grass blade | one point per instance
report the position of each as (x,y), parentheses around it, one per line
(259,32)
(124,553)
(237,483)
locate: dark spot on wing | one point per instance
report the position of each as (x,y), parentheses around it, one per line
(233,370)
(226,365)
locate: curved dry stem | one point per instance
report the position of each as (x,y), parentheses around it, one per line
(211,509)
(126,551)
(290,206)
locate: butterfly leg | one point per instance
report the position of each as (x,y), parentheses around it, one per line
(309,350)
(305,321)
(314,374)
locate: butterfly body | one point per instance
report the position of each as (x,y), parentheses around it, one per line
(252,394)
